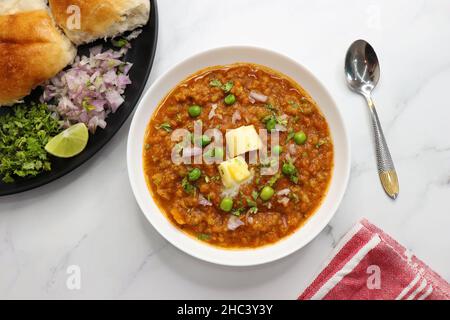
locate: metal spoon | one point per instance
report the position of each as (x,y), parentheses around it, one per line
(362,71)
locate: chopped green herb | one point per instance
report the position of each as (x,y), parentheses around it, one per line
(238,211)
(253,210)
(187,186)
(225,87)
(203,236)
(290,135)
(24,132)
(274,179)
(119,43)
(294,196)
(228,86)
(320,143)
(215,83)
(165,126)
(294,178)
(255,195)
(294,104)
(270,107)
(251,203)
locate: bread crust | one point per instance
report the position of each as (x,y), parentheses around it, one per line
(32,50)
(100,18)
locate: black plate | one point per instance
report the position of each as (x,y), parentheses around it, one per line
(141,55)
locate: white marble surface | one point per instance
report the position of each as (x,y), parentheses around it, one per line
(90,218)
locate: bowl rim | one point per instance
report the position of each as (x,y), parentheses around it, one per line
(195,250)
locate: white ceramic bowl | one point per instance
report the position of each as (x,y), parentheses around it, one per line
(240,257)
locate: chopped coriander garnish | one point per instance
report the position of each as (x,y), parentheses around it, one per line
(294,104)
(187,186)
(255,195)
(271,107)
(228,86)
(24,132)
(215,83)
(294,178)
(238,211)
(203,236)
(253,210)
(119,43)
(165,126)
(320,143)
(225,87)
(294,197)
(274,179)
(290,135)
(251,203)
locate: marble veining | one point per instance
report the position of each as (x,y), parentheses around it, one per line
(90,218)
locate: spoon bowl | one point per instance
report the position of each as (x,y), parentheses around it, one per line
(362,69)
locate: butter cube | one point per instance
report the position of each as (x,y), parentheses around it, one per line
(234,171)
(242,140)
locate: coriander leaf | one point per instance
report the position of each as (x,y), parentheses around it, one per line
(228,86)
(119,43)
(253,210)
(203,236)
(187,186)
(215,83)
(24,132)
(165,126)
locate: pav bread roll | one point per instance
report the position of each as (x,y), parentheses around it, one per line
(32,49)
(99,18)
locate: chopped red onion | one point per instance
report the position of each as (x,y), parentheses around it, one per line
(283,192)
(234,223)
(283,219)
(254,95)
(284,201)
(236,117)
(292,148)
(203,201)
(212,113)
(91,88)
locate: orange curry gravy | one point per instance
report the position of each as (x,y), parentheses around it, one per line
(262,222)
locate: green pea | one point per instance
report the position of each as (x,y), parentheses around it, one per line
(266,193)
(205,140)
(194,174)
(226,204)
(271,123)
(277,149)
(194,111)
(300,137)
(230,99)
(218,153)
(288,169)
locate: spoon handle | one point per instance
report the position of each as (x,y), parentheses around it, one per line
(386,169)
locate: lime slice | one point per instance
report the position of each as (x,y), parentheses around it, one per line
(70,142)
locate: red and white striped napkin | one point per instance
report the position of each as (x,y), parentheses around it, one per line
(367,264)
